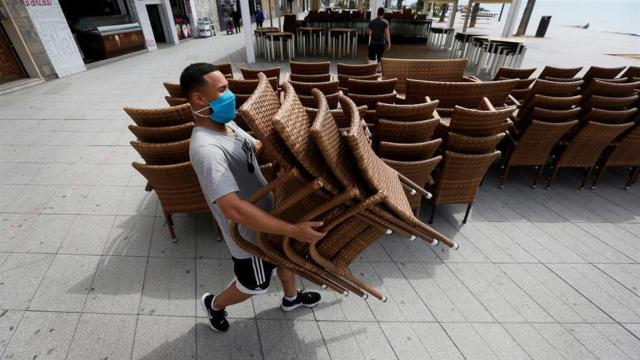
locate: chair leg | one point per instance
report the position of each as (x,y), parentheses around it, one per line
(633,177)
(587,174)
(169,220)
(466,214)
(503,176)
(537,176)
(433,212)
(552,176)
(148,187)
(596,180)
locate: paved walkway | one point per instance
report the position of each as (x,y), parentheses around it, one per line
(87,269)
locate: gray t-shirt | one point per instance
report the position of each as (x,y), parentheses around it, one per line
(223,163)
(377,27)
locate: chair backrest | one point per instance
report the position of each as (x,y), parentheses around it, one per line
(371,87)
(411,112)
(417,171)
(513,73)
(408,152)
(258,112)
(174,89)
(162,134)
(405,132)
(163,153)
(585,148)
(225,69)
(460,177)
(252,74)
(372,100)
(601,73)
(554,88)
(169,116)
(357,69)
(609,116)
(309,101)
(550,71)
(343,80)
(626,151)
(548,103)
(309,68)
(606,88)
(537,141)
(174,101)
(246,87)
(176,185)
(473,144)
(610,103)
(521,85)
(631,73)
(338,115)
(422,69)
(474,122)
(304,88)
(555,116)
(310,78)
(466,94)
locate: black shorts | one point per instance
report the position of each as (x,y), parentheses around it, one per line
(252,275)
(375,51)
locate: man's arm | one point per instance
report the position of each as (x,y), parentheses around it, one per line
(387,36)
(243,212)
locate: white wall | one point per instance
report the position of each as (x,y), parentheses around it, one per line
(52,27)
(140,9)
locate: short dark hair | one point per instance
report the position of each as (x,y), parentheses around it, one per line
(192,77)
(380,11)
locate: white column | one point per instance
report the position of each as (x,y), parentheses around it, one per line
(247,31)
(510,22)
(375,4)
(452,17)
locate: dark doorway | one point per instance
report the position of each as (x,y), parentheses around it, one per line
(156,23)
(10,67)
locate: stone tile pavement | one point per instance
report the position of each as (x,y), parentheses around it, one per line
(87,269)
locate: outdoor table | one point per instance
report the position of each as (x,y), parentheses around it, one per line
(462,40)
(259,34)
(495,53)
(280,37)
(316,39)
(343,37)
(440,36)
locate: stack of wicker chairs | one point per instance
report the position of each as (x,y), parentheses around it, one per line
(371,92)
(310,71)
(329,177)
(328,88)
(559,74)
(522,87)
(403,139)
(163,143)
(252,74)
(355,71)
(469,148)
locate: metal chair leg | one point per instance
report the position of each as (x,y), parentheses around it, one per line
(633,177)
(537,176)
(433,212)
(596,180)
(552,176)
(466,213)
(503,176)
(169,219)
(586,176)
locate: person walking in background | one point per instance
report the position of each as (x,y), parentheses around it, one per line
(379,37)
(235,15)
(259,16)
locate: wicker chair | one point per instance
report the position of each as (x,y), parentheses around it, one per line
(404,132)
(371,101)
(225,69)
(632,72)
(511,73)
(552,88)
(543,102)
(611,103)
(435,70)
(246,87)
(609,89)
(174,90)
(175,101)
(357,69)
(554,72)
(586,147)
(170,116)
(309,68)
(310,78)
(625,153)
(478,122)
(458,180)
(335,151)
(412,112)
(417,171)
(163,153)
(534,146)
(473,144)
(304,88)
(408,152)
(343,80)
(177,188)
(465,94)
(163,134)
(522,89)
(371,87)
(596,72)
(609,116)
(252,74)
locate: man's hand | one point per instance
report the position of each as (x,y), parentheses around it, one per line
(388,46)
(305,232)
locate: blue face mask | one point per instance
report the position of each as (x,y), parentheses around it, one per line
(223,109)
